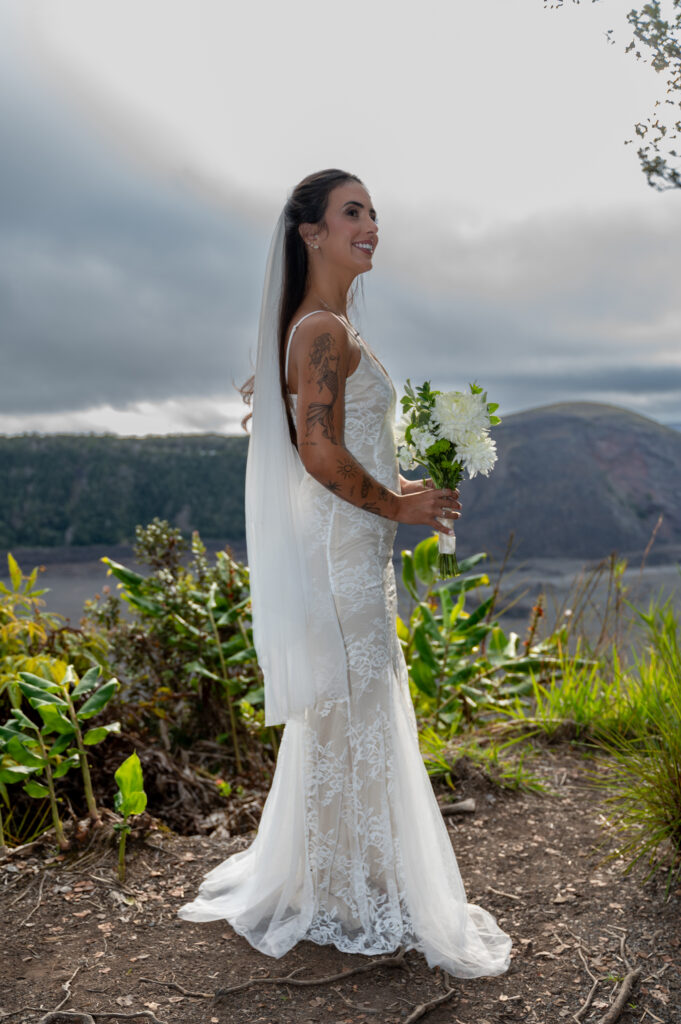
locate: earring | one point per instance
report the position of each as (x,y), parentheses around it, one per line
(312,245)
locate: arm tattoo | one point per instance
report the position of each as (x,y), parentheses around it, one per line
(346,468)
(366,484)
(324,365)
(332,486)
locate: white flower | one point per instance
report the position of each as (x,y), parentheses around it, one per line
(460,416)
(406,458)
(400,428)
(477,454)
(422,439)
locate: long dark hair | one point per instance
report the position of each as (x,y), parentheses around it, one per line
(306,205)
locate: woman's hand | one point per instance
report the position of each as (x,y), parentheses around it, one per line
(423,505)
(414,486)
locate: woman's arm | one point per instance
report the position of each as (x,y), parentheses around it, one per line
(322,354)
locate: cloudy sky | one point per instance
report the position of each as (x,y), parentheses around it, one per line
(146,149)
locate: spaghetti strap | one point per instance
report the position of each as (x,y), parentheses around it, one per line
(298,322)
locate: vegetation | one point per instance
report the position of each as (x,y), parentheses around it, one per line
(184,689)
(130,799)
(657,40)
(89,489)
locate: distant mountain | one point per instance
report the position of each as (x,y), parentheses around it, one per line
(574,480)
(578,480)
(80,489)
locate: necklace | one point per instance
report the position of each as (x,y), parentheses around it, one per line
(341,315)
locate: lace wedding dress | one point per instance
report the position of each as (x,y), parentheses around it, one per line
(352,848)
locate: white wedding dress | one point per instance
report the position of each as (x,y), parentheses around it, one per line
(352,848)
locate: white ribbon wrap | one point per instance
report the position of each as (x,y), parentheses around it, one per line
(446,541)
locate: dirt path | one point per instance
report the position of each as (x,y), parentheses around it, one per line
(71,931)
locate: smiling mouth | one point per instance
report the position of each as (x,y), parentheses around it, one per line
(364,247)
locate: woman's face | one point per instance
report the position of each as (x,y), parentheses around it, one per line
(351,233)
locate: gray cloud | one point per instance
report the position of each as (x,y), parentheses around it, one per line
(118,287)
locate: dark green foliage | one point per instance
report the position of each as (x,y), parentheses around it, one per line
(183,647)
(89,489)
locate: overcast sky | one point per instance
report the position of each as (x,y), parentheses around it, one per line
(146,150)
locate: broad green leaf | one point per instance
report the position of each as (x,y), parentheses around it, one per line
(425,559)
(64,766)
(54,720)
(408,574)
(36,697)
(14,773)
(36,789)
(22,755)
(132,799)
(425,651)
(423,677)
(247,655)
(23,720)
(88,682)
(145,604)
(97,735)
(480,612)
(126,576)
(62,743)
(14,571)
(402,631)
(39,682)
(98,700)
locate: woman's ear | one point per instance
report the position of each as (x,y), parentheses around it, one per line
(308,233)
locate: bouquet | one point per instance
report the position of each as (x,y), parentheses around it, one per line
(448,433)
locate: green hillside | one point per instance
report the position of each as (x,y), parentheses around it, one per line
(72,489)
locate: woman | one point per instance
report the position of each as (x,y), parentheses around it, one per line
(352,848)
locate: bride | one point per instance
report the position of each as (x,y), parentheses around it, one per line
(351,848)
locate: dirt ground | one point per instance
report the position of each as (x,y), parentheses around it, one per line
(72,936)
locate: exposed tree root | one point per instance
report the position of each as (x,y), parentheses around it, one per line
(422,1009)
(179,988)
(290,979)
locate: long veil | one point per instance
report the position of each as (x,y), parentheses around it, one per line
(296,632)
